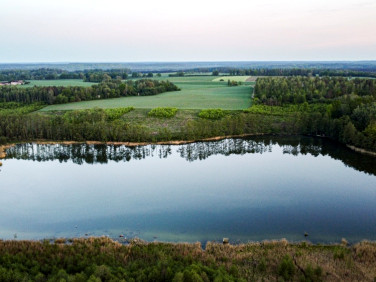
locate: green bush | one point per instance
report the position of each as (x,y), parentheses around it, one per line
(212,114)
(113,114)
(286,269)
(163,112)
(3,140)
(312,274)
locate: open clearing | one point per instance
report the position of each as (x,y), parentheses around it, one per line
(237,78)
(59,82)
(196,93)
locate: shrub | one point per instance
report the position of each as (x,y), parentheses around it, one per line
(163,112)
(3,140)
(286,269)
(233,83)
(312,274)
(113,114)
(212,114)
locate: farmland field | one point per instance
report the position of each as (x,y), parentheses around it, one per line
(196,93)
(59,82)
(236,78)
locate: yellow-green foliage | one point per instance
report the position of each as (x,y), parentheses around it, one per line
(113,114)
(287,109)
(163,112)
(212,114)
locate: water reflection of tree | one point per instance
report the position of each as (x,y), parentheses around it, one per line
(91,154)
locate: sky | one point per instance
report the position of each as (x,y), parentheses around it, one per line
(195,30)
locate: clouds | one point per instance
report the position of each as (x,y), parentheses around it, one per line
(166,30)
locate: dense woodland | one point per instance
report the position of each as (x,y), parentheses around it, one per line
(348,114)
(103,90)
(296,90)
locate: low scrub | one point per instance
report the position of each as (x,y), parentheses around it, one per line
(113,114)
(212,114)
(163,112)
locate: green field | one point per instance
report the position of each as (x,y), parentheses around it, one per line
(196,93)
(236,78)
(59,82)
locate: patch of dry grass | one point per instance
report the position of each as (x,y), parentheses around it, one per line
(252,261)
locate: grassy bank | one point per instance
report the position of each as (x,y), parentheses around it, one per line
(101,259)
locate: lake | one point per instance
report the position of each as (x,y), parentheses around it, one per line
(245,189)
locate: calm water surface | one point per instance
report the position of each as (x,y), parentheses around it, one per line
(244,189)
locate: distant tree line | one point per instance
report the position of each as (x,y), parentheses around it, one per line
(177,74)
(99,75)
(105,75)
(289,71)
(103,90)
(94,75)
(301,72)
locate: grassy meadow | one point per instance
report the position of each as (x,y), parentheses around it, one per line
(59,82)
(197,92)
(237,78)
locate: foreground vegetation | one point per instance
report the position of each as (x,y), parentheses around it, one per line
(101,259)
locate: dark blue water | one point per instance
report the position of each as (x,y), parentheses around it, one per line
(244,189)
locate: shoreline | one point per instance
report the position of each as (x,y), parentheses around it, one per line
(3,148)
(226,241)
(361,151)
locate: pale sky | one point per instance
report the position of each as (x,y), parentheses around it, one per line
(195,30)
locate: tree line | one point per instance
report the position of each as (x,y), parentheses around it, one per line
(298,89)
(358,128)
(93,75)
(103,90)
(301,72)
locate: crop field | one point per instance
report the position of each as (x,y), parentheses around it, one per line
(60,82)
(237,78)
(196,93)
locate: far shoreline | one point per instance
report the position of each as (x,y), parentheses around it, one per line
(4,147)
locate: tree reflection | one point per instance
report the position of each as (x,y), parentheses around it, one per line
(295,145)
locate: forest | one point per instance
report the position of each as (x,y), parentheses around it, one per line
(348,113)
(104,90)
(296,90)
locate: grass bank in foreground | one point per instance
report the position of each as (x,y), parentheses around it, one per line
(101,259)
